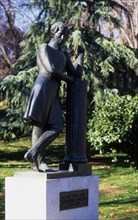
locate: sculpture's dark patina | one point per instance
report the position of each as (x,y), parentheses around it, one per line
(43,110)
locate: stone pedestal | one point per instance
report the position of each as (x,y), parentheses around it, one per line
(33,196)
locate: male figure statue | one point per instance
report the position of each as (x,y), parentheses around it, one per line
(43,109)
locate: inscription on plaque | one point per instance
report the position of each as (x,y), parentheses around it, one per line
(73,199)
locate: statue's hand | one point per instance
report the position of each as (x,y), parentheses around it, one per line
(59,75)
(80,50)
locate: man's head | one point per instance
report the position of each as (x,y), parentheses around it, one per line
(59,32)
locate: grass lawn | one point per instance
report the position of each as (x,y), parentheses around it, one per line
(118,184)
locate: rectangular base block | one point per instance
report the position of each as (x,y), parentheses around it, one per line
(33,197)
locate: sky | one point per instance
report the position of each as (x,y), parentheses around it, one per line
(24,17)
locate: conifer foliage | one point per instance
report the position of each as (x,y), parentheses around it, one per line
(108,66)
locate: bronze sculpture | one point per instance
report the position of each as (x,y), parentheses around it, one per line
(43,110)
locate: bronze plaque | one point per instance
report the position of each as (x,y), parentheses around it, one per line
(73,199)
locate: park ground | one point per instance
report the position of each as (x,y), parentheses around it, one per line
(118,183)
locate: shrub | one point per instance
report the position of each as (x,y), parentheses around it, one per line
(113,121)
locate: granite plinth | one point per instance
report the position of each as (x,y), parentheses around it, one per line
(33,196)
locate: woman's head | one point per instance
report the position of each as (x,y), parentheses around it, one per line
(59,32)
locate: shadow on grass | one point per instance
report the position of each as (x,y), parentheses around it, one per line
(11,155)
(114,202)
(53,154)
(108,160)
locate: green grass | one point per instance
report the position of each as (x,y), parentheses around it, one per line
(118,193)
(118,184)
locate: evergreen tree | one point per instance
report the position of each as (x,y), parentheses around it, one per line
(106,63)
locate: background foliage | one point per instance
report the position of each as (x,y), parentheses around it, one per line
(110,64)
